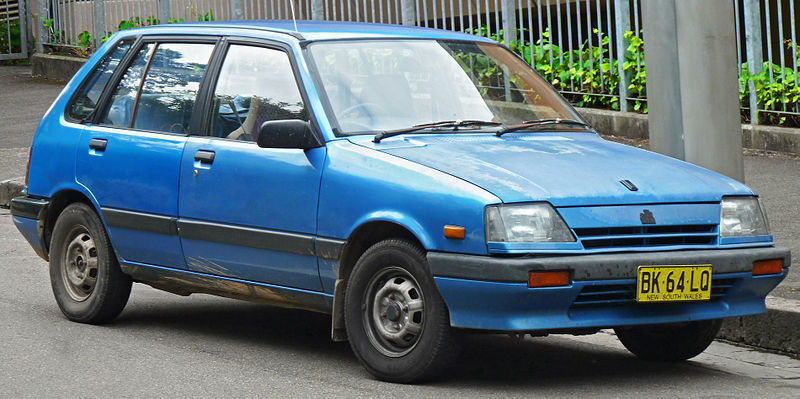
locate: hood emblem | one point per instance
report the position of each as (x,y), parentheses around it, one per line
(647,217)
(629,185)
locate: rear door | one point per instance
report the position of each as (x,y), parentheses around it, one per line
(129,157)
(249,212)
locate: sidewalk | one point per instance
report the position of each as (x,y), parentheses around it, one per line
(776,179)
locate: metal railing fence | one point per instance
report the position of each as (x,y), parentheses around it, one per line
(591,50)
(13,30)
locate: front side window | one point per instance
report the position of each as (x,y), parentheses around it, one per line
(376,85)
(255,85)
(86,100)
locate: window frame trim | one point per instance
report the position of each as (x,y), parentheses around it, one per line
(211,86)
(141,41)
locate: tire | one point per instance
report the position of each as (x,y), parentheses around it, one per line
(669,342)
(396,320)
(87,282)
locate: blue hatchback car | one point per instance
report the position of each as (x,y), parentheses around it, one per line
(414,184)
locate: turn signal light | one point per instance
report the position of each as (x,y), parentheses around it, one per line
(454,232)
(548,279)
(772,266)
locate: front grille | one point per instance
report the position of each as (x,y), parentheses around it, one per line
(604,295)
(647,236)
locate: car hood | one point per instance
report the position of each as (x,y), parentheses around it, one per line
(566,169)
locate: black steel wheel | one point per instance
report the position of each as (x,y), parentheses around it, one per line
(396,320)
(87,282)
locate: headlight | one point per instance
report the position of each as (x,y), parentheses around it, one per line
(742,216)
(526,223)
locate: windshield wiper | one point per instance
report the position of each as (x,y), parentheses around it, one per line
(540,122)
(443,124)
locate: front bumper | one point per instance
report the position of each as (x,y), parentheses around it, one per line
(491,293)
(30,215)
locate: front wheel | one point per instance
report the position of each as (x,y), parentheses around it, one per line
(396,321)
(87,282)
(669,342)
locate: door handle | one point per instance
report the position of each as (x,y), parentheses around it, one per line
(204,156)
(98,144)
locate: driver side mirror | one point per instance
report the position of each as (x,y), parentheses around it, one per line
(288,133)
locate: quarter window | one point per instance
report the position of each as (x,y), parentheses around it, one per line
(85,102)
(255,85)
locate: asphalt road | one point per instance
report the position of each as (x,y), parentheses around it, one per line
(165,345)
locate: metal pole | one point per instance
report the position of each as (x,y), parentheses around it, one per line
(237,9)
(623,24)
(318,10)
(22,14)
(42,34)
(164,11)
(695,115)
(755,53)
(99,7)
(508,10)
(408,12)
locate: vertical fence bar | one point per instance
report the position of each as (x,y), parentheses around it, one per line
(579,25)
(530,32)
(623,24)
(569,46)
(560,33)
(753,46)
(589,37)
(99,7)
(497,22)
(793,27)
(768,26)
(780,48)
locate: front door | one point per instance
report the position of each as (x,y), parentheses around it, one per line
(248,212)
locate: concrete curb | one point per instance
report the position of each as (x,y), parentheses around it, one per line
(636,126)
(9,189)
(775,330)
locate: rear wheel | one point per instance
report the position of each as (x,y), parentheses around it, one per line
(397,322)
(87,282)
(669,342)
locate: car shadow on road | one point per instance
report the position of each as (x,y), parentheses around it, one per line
(485,361)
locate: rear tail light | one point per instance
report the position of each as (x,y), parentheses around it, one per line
(28,166)
(772,266)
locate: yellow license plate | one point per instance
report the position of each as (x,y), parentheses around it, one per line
(673,283)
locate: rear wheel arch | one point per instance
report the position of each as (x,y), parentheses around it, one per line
(58,202)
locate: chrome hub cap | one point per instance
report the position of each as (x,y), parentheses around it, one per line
(79,265)
(394,312)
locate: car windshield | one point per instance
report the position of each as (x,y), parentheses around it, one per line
(379,85)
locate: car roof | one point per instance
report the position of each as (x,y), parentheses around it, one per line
(315,30)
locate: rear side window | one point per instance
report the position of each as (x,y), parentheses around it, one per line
(159,88)
(170,87)
(86,100)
